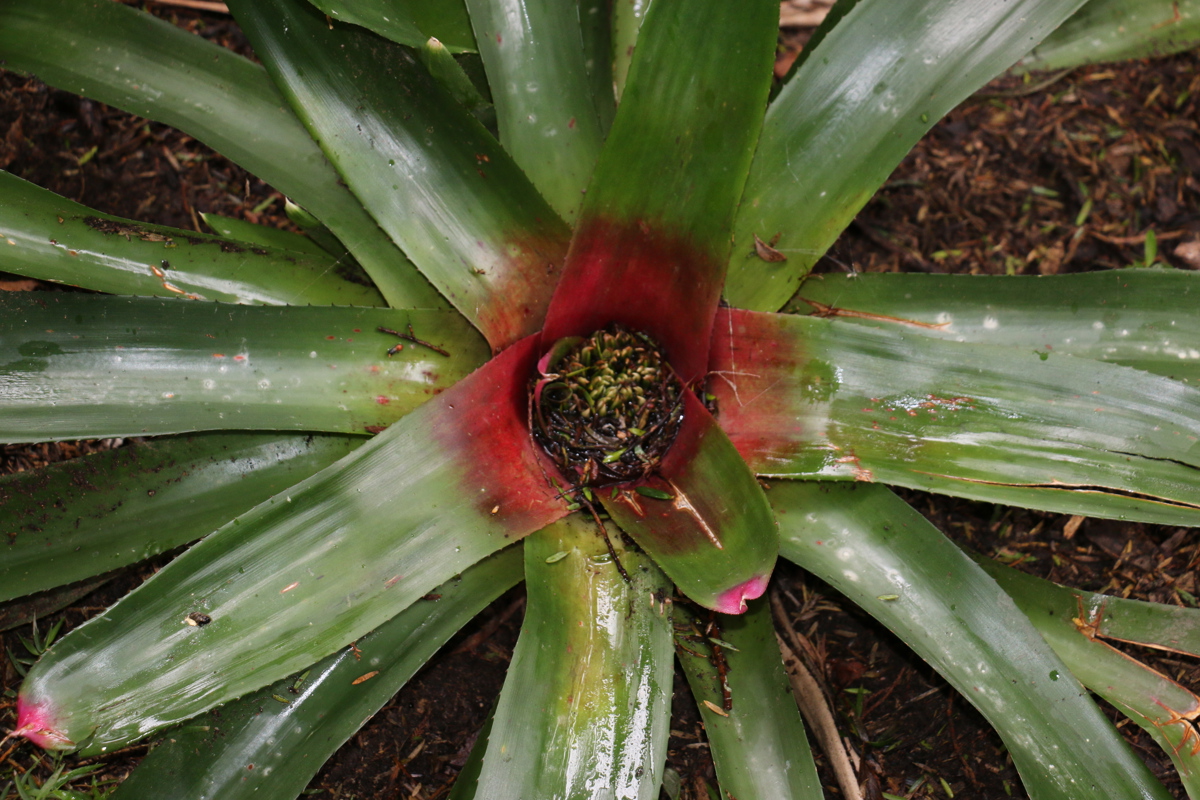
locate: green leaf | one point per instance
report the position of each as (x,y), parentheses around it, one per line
(136,62)
(680,146)
(79,518)
(823,398)
(865,542)
(410,23)
(1143,319)
(595,24)
(1118,30)
(1075,623)
(714,536)
(451,74)
(862,98)
(627,22)
(55,239)
(585,709)
(303,574)
(286,743)
(533,52)
(77,366)
(758,742)
(243,231)
(437,182)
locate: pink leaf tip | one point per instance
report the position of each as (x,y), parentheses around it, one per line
(733,601)
(35,723)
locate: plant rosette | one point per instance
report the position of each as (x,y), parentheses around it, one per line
(590,363)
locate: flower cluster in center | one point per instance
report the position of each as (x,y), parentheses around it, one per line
(606,407)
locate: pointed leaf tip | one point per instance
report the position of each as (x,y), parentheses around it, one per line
(734,601)
(35,722)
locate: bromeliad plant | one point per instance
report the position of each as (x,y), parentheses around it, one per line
(567,377)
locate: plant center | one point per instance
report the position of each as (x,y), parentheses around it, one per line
(606,407)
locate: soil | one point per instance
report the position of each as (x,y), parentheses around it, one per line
(1040,176)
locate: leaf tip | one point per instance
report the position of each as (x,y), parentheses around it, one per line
(35,722)
(734,601)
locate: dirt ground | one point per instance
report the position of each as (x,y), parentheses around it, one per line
(1059,174)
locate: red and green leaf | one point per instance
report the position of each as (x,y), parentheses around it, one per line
(702,516)
(348,548)
(823,398)
(435,180)
(653,237)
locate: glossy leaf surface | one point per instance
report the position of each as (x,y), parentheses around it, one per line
(862,98)
(1117,30)
(429,173)
(136,62)
(79,365)
(268,745)
(645,249)
(1142,318)
(702,516)
(349,548)
(410,23)
(585,708)
(758,742)
(596,27)
(240,229)
(1076,623)
(883,555)
(55,239)
(538,72)
(810,397)
(71,520)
